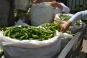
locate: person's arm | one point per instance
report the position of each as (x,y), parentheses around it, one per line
(78,16)
(55,4)
(65,8)
(65,26)
(36,1)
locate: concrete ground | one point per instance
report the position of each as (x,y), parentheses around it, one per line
(83,52)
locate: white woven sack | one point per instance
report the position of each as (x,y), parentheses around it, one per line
(44,52)
(41,13)
(29,48)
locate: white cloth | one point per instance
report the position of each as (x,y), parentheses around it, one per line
(65,8)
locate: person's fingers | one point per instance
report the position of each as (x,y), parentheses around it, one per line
(62,28)
(54,22)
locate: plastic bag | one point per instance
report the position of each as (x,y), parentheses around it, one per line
(21,22)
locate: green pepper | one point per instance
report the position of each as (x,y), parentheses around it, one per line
(1,53)
(6,32)
(35,36)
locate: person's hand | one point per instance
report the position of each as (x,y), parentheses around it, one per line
(65,26)
(57,19)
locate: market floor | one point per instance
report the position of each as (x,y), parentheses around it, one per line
(86,56)
(83,52)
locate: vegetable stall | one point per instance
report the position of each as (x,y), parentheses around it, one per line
(45,32)
(47,39)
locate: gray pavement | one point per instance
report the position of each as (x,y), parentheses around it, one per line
(83,52)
